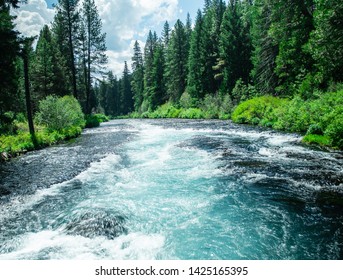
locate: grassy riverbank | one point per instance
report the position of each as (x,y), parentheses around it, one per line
(320,120)
(58,119)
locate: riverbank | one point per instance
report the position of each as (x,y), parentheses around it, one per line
(319,120)
(21,142)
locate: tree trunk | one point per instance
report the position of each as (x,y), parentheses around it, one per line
(27,94)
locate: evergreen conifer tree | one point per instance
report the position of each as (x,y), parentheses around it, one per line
(137,76)
(65,28)
(96,45)
(177,62)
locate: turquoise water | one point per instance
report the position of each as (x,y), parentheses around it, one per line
(184,190)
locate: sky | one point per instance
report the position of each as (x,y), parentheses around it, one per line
(124,22)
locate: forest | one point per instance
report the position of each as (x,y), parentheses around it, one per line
(273,63)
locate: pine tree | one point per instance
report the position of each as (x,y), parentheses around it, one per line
(48,68)
(9,49)
(82,55)
(327,40)
(137,76)
(166,34)
(291,26)
(127,103)
(196,65)
(207,5)
(42,72)
(157,93)
(96,45)
(112,96)
(209,42)
(265,49)
(149,51)
(235,48)
(65,28)
(177,62)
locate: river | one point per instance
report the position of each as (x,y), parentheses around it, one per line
(173,189)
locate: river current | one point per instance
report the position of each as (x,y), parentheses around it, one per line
(173,189)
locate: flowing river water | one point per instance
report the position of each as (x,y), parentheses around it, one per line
(172,189)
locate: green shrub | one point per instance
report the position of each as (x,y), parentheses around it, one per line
(60,113)
(92,121)
(192,113)
(295,117)
(240,92)
(317,139)
(315,129)
(186,101)
(211,106)
(135,115)
(321,119)
(16,143)
(255,110)
(102,118)
(216,106)
(167,110)
(335,131)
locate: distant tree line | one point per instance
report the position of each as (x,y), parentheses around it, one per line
(236,50)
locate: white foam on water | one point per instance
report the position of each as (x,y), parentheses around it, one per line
(99,167)
(19,204)
(58,245)
(266,152)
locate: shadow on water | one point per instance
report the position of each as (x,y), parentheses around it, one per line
(97,222)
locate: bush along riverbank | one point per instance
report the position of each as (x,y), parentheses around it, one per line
(57,120)
(319,120)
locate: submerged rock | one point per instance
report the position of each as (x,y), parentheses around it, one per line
(97,223)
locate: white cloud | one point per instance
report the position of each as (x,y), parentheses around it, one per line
(124,21)
(116,58)
(31,17)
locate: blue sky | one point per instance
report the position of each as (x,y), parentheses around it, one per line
(124,21)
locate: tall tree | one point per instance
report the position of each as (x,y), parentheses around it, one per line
(235,47)
(127,103)
(137,76)
(292,24)
(66,24)
(96,45)
(9,49)
(42,72)
(48,68)
(265,49)
(26,49)
(112,96)
(157,93)
(196,63)
(210,50)
(327,40)
(149,51)
(166,34)
(177,62)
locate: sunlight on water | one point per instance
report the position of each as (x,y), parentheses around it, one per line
(180,193)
